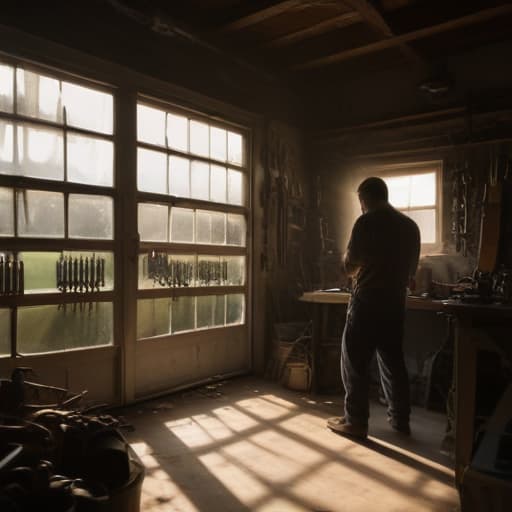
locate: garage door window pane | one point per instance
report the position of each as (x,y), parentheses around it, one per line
(6,88)
(150,125)
(235,155)
(153,222)
(6,147)
(57,328)
(153,317)
(218,144)
(40,213)
(236,230)
(6,212)
(87,108)
(218,184)
(90,216)
(90,160)
(179,176)
(40,152)
(209,271)
(183,314)
(182,225)
(210,311)
(235,191)
(177,132)
(38,96)
(235,270)
(235,309)
(5,332)
(151,171)
(200,183)
(182,270)
(218,228)
(160,270)
(210,227)
(205,312)
(199,138)
(41,269)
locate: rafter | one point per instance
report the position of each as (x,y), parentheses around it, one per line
(260,15)
(471,19)
(379,24)
(342,20)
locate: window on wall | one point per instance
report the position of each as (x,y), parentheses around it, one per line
(416,191)
(192,186)
(56,212)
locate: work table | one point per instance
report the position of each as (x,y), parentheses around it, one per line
(335,297)
(413,302)
(471,320)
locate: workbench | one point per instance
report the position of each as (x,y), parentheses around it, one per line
(470,337)
(321,297)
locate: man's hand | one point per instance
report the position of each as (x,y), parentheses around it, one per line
(350,268)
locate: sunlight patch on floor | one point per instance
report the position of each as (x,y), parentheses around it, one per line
(190,433)
(289,449)
(235,419)
(235,478)
(263,408)
(161,494)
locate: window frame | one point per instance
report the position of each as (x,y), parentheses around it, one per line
(16,244)
(194,248)
(414,168)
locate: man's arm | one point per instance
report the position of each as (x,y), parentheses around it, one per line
(354,257)
(351,268)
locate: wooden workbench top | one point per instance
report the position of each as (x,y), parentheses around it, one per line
(335,297)
(326,297)
(477,309)
(417,303)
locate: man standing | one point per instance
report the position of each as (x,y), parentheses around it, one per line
(382,257)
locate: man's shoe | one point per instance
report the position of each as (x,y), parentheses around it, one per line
(400,427)
(340,426)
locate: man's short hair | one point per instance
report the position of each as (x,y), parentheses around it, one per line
(373,189)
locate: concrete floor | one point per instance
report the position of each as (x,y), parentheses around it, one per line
(249,444)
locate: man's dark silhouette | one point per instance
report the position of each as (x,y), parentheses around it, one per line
(382,257)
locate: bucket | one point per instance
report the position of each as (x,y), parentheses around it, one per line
(297,376)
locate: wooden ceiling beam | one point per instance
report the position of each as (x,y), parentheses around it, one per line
(374,18)
(260,15)
(370,15)
(470,19)
(342,20)
(393,123)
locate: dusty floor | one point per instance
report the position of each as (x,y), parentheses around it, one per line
(249,444)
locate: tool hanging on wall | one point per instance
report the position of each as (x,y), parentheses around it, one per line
(461,183)
(12,276)
(169,272)
(212,273)
(80,275)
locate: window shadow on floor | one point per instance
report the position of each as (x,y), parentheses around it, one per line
(269,450)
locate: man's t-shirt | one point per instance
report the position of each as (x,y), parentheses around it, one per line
(385,246)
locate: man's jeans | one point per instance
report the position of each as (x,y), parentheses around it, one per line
(374,325)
